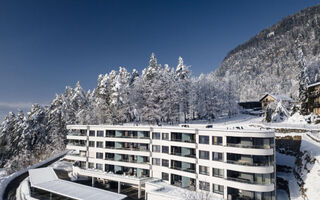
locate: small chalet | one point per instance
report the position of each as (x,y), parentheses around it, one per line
(269,98)
(314,98)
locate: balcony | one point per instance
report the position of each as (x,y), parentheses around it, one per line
(183,137)
(248,163)
(77,134)
(127,161)
(185,140)
(180,154)
(76,144)
(250,178)
(207,173)
(76,154)
(191,170)
(251,143)
(128,148)
(128,136)
(250,146)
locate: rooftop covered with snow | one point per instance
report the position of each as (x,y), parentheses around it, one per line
(187,126)
(46,179)
(278,97)
(159,188)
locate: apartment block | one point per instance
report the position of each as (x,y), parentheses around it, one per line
(231,162)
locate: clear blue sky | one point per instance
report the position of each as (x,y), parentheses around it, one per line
(48,44)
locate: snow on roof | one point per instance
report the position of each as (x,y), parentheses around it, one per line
(46,179)
(176,193)
(42,175)
(278,97)
(314,84)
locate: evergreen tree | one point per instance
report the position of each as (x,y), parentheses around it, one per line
(303,82)
(182,81)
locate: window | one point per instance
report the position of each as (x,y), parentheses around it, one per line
(156,136)
(100,144)
(165,149)
(91,165)
(204,186)
(203,139)
(110,133)
(204,155)
(91,143)
(165,136)
(156,161)
(155,148)
(91,133)
(99,166)
(165,163)
(216,140)
(99,155)
(165,176)
(217,156)
(203,170)
(217,188)
(99,133)
(217,172)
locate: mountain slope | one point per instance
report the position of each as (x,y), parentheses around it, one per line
(268,62)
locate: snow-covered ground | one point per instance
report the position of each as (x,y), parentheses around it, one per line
(287,160)
(23,191)
(294,122)
(62,165)
(312,179)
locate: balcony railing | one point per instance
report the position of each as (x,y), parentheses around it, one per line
(204,173)
(128,136)
(244,162)
(76,134)
(179,184)
(179,154)
(127,161)
(242,180)
(77,144)
(127,148)
(250,146)
(76,154)
(185,169)
(180,140)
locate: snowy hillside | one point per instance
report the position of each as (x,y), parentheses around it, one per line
(269,62)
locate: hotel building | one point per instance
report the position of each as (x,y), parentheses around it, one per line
(233,163)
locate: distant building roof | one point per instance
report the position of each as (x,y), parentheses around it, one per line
(46,179)
(314,84)
(278,97)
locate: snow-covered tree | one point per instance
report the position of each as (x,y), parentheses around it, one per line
(182,83)
(303,82)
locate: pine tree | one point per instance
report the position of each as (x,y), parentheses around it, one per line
(151,111)
(303,82)
(182,81)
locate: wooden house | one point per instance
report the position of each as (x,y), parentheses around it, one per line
(314,98)
(269,98)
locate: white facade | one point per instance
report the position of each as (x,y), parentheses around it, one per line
(230,162)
